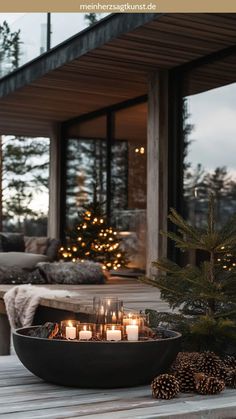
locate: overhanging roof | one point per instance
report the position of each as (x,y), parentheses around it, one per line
(109,63)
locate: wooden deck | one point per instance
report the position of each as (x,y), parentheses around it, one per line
(24,396)
(135,294)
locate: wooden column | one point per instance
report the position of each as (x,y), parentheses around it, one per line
(157,167)
(54,183)
(5,332)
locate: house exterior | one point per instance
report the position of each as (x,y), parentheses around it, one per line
(111,101)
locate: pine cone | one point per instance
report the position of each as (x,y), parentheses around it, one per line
(230,379)
(165,386)
(183,359)
(208,385)
(185,377)
(210,364)
(230,362)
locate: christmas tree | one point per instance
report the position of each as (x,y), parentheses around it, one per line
(206,294)
(93,239)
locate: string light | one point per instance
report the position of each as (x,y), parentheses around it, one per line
(94,243)
(139,150)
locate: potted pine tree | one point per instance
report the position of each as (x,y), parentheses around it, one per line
(205,295)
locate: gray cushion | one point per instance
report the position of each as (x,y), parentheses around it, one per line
(26,261)
(12,242)
(52,250)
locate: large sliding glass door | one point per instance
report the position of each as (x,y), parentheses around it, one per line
(129,180)
(109,163)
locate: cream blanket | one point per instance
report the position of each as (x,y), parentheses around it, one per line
(22,301)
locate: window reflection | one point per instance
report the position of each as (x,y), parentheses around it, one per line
(210,153)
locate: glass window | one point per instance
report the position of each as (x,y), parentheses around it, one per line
(86,172)
(128,178)
(210,141)
(24,185)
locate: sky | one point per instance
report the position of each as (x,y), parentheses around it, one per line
(213,115)
(10,17)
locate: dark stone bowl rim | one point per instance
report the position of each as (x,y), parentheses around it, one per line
(176,336)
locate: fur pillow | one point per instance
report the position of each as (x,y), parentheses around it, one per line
(16,275)
(71,273)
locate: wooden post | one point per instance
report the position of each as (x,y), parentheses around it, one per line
(5,331)
(157,167)
(54,184)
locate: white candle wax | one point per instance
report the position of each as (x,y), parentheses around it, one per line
(113,334)
(85,334)
(70,332)
(132,332)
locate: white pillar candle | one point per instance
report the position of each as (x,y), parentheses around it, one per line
(113,334)
(70,332)
(132,331)
(85,334)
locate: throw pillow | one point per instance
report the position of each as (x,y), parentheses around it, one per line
(36,245)
(12,242)
(52,250)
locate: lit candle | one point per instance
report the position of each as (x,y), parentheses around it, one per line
(70,331)
(113,318)
(113,334)
(132,331)
(85,334)
(127,320)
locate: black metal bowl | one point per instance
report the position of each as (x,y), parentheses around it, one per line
(96,364)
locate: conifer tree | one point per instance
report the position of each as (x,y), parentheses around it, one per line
(205,295)
(93,239)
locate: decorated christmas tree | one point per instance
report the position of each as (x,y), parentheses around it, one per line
(93,239)
(205,295)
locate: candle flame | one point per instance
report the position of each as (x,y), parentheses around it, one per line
(70,324)
(133,322)
(85,328)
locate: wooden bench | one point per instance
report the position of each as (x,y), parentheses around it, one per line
(136,296)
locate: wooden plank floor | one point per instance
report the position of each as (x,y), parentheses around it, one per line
(24,396)
(135,294)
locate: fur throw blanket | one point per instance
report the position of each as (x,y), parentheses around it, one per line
(22,301)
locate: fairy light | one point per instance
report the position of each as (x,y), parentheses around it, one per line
(95,241)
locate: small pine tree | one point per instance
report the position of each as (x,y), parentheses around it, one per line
(93,239)
(205,295)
